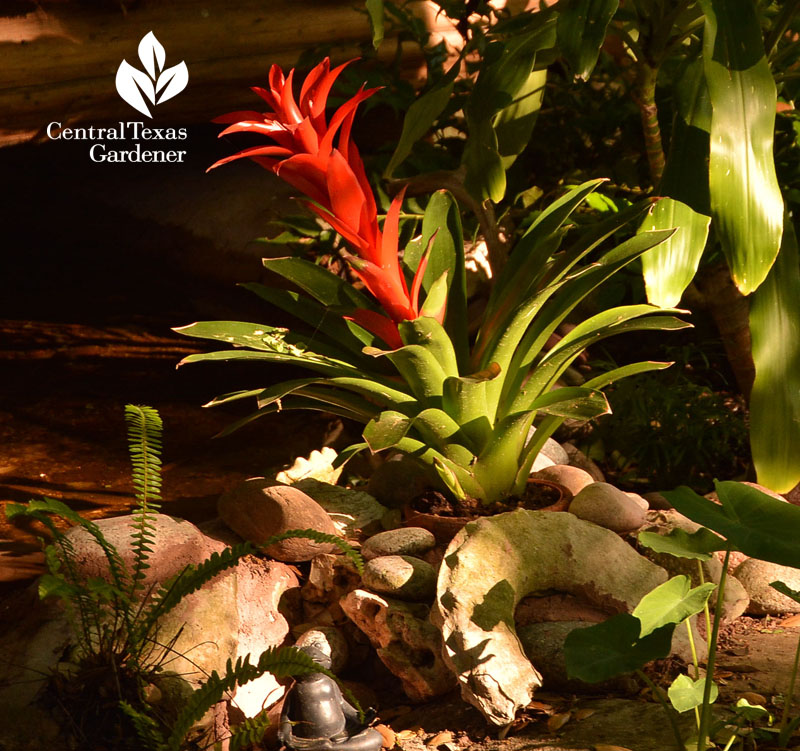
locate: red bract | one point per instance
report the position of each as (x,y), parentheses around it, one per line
(335,182)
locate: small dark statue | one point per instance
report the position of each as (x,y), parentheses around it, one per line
(316,717)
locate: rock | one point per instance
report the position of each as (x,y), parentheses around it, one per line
(552,449)
(234,614)
(557,607)
(578,459)
(544,647)
(542,461)
(352,511)
(657,501)
(638,500)
(608,507)
(259,508)
(414,541)
(329,579)
(756,576)
(401,576)
(176,544)
(395,482)
(405,641)
(492,564)
(330,641)
(572,478)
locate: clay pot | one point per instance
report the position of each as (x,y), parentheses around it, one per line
(445,528)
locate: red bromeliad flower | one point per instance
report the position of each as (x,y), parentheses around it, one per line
(335,182)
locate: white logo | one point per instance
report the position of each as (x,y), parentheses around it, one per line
(157,84)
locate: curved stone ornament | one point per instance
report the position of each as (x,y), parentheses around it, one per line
(496,561)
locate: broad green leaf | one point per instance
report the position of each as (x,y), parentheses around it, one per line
(429,333)
(671,602)
(746,201)
(386,430)
(784,590)
(486,176)
(323,285)
(418,366)
(613,647)
(685,694)
(514,123)
(574,402)
(751,712)
(442,217)
(670,267)
(375,12)
(464,399)
(320,365)
(681,544)
(775,399)
(346,454)
(582,28)
(421,116)
(748,519)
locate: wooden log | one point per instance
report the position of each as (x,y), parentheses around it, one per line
(60,58)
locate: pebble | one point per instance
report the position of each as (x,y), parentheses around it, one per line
(572,478)
(401,576)
(608,507)
(414,541)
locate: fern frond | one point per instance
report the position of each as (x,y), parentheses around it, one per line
(144,446)
(280,661)
(146,728)
(321,537)
(249,732)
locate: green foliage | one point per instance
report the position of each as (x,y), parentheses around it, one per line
(116,623)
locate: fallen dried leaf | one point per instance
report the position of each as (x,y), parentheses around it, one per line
(792,620)
(582,714)
(540,706)
(604,747)
(753,698)
(409,733)
(440,739)
(557,721)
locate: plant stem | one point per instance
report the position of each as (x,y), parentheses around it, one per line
(705,714)
(790,695)
(646,99)
(660,699)
(695,663)
(706,612)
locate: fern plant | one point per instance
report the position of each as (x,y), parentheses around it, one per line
(115,620)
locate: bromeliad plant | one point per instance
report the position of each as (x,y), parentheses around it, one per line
(401,361)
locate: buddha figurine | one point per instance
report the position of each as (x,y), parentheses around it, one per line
(316,717)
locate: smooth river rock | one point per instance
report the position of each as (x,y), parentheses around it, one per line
(401,576)
(608,507)
(414,541)
(756,576)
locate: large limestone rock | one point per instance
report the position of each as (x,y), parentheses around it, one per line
(609,507)
(530,552)
(405,641)
(233,615)
(756,577)
(259,508)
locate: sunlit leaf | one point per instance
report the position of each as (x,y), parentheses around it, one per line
(375,13)
(582,28)
(671,602)
(775,399)
(679,543)
(685,694)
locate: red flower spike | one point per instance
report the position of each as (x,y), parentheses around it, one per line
(335,181)
(377,324)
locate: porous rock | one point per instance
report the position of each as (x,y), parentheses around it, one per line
(605,505)
(529,551)
(756,576)
(404,640)
(401,576)
(573,479)
(234,614)
(259,508)
(414,541)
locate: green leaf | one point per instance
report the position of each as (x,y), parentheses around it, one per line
(421,116)
(613,647)
(751,712)
(671,266)
(486,175)
(429,333)
(748,519)
(679,543)
(785,590)
(775,399)
(575,402)
(686,694)
(386,430)
(746,200)
(375,12)
(582,28)
(671,602)
(514,124)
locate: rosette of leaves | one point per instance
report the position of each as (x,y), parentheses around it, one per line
(463,408)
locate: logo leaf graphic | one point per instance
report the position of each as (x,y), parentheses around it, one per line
(152,54)
(127,79)
(157,84)
(173,81)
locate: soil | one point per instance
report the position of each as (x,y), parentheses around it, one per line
(537,496)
